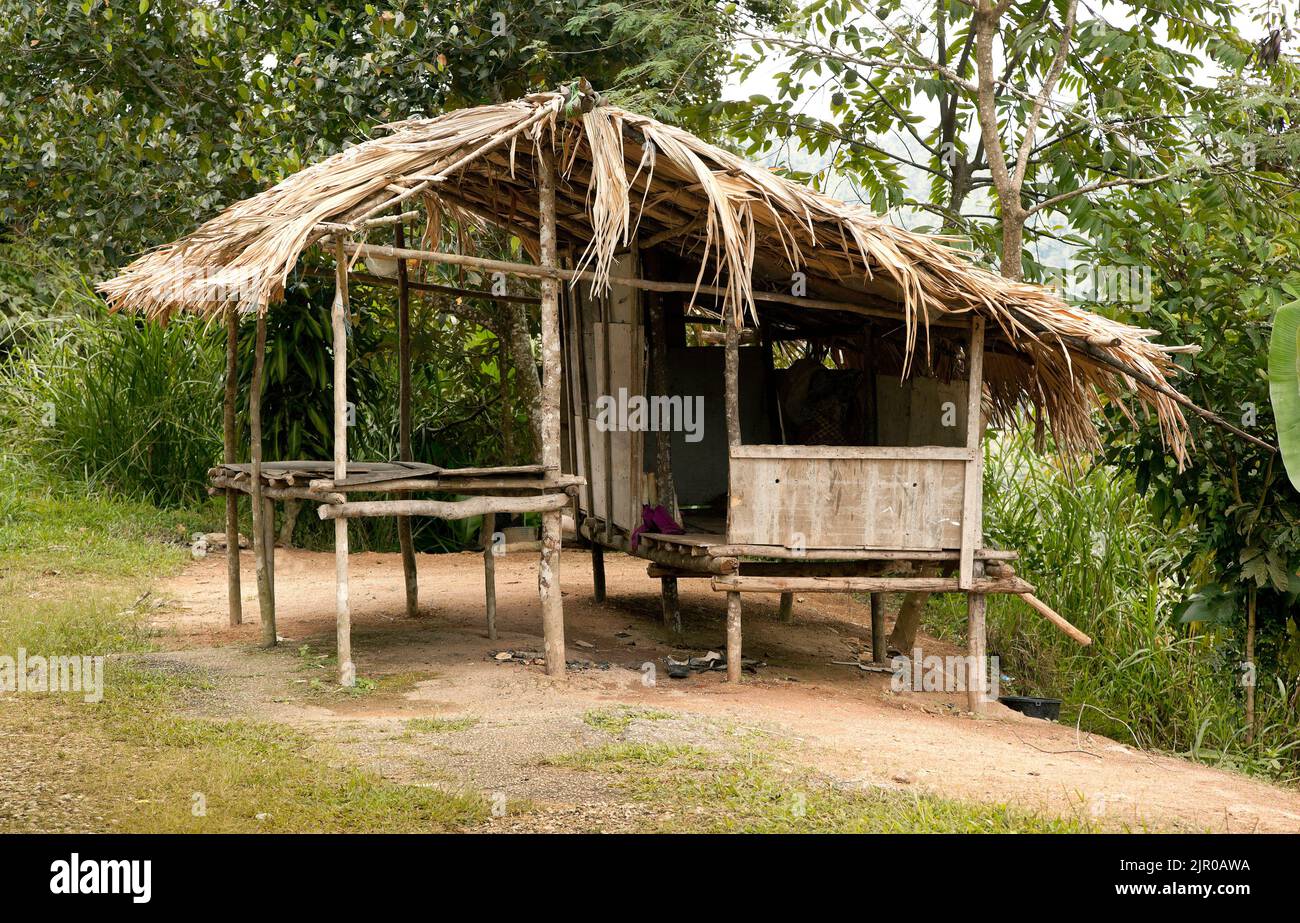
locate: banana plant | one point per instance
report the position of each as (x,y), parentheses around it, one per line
(1284,385)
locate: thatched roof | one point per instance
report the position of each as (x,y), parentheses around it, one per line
(626,176)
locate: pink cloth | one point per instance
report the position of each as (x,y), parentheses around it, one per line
(658,520)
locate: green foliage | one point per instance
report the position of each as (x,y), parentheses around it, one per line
(1284,385)
(110,399)
(1100,555)
(1221,267)
(121,124)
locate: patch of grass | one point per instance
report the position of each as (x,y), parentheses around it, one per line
(440,725)
(618,718)
(693,790)
(631,758)
(136,760)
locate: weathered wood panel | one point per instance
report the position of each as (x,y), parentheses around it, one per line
(789,497)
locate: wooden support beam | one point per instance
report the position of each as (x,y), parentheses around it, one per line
(774,584)
(444,509)
(528,270)
(780,553)
(972,507)
(339,328)
(404,452)
(787,608)
(234,601)
(1055,618)
(265,592)
(548,579)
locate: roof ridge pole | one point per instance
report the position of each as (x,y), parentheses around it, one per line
(404,451)
(548,575)
(338,324)
(234,599)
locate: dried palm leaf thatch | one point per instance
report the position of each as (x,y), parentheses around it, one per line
(629,179)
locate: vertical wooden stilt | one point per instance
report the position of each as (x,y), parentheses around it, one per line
(731,386)
(671,604)
(787,607)
(597,571)
(733,637)
(269,519)
(548,579)
(265,592)
(404,451)
(976,651)
(487,530)
(229,455)
(879,644)
(339,330)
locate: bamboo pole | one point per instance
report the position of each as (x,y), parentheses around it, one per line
(265,592)
(230,435)
(339,330)
(548,580)
(404,451)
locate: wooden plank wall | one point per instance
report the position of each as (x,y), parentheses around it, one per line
(846,497)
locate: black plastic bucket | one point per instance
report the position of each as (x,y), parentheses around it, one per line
(1033,706)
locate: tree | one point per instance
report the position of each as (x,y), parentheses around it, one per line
(123,123)
(1023,102)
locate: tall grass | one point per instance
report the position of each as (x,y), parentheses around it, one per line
(114,401)
(1098,556)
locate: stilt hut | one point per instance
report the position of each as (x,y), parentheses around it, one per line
(799,386)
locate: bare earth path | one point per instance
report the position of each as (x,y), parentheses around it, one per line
(834,719)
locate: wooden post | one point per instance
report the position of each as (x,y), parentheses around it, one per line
(229,456)
(879,649)
(665,487)
(787,608)
(548,578)
(733,637)
(486,531)
(976,648)
(606,386)
(972,508)
(597,571)
(269,519)
(731,382)
(265,592)
(339,330)
(672,609)
(404,451)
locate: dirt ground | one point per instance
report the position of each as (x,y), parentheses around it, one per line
(834,719)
